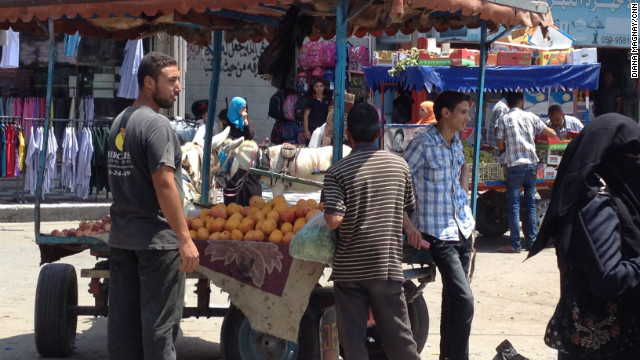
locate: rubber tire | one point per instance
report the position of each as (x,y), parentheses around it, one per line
(419,318)
(238,340)
(55,322)
(492,214)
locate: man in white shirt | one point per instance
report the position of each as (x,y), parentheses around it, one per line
(561,122)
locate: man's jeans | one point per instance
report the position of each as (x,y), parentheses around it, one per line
(522,176)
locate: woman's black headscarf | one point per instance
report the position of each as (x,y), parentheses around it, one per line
(600,150)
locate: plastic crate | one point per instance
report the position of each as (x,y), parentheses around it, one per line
(490,172)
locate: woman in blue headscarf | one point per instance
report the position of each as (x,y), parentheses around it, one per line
(238,119)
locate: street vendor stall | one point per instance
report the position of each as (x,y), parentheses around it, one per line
(284,282)
(492,211)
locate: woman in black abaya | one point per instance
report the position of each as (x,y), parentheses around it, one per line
(593,221)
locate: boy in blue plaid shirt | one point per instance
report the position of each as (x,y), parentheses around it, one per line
(441,180)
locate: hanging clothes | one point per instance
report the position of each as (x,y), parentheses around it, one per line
(11,51)
(133,53)
(20,155)
(32,159)
(99,174)
(85,153)
(50,168)
(69,156)
(71,44)
(10,150)
(3,150)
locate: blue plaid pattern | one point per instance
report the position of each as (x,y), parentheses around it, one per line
(442,206)
(518,129)
(499,109)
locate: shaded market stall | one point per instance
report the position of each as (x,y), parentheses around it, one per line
(195,20)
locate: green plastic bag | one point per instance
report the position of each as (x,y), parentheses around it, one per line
(315,241)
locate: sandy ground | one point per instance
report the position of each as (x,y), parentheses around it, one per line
(513,300)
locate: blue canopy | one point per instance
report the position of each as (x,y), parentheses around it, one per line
(465,78)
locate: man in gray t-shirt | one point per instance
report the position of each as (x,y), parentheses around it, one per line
(150,244)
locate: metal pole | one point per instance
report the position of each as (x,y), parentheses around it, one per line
(208,133)
(341,67)
(479,109)
(47,124)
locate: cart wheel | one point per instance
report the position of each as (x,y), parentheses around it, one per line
(492,215)
(55,319)
(238,341)
(419,318)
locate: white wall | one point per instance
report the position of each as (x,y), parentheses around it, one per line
(238,77)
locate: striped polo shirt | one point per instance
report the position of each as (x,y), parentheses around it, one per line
(370,188)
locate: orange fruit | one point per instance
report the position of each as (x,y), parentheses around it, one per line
(246,225)
(273,215)
(237,235)
(225,235)
(286,227)
(276,236)
(250,235)
(202,233)
(280,207)
(215,236)
(203,213)
(231,224)
(298,224)
(267,208)
(312,203)
(218,225)
(310,214)
(259,235)
(256,216)
(287,237)
(321,206)
(196,223)
(259,225)
(268,226)
(257,201)
(233,208)
(237,216)
(280,199)
(193,234)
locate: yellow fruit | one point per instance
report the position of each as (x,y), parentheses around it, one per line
(238,216)
(233,208)
(280,199)
(214,236)
(237,235)
(250,235)
(202,233)
(231,224)
(218,225)
(312,203)
(246,225)
(258,235)
(225,235)
(287,237)
(196,223)
(268,226)
(256,216)
(310,214)
(276,236)
(286,227)
(193,234)
(298,224)
(273,215)
(280,207)
(203,213)
(259,225)
(257,202)
(267,208)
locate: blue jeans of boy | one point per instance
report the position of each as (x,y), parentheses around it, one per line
(522,176)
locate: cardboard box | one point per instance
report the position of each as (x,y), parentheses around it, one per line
(513,58)
(426,59)
(582,56)
(383,58)
(553,159)
(551,58)
(464,57)
(549,173)
(492,59)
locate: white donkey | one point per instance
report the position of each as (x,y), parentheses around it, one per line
(308,164)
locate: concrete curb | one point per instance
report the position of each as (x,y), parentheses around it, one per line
(53,212)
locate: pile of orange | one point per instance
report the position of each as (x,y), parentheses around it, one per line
(273,220)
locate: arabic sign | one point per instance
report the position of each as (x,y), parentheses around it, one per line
(597,23)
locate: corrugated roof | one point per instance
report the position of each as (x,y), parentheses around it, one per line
(251,19)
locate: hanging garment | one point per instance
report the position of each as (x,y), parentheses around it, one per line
(10,153)
(32,159)
(71,44)
(11,51)
(3,150)
(20,153)
(85,153)
(69,155)
(133,53)
(50,168)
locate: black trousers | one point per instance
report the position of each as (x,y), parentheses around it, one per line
(389,307)
(146,295)
(453,259)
